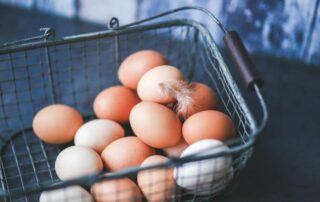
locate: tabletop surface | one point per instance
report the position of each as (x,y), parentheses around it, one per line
(285,164)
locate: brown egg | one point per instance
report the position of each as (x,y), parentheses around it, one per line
(208,124)
(115,103)
(150,85)
(125,152)
(155,124)
(204,98)
(138,63)
(156,184)
(116,190)
(176,150)
(57,123)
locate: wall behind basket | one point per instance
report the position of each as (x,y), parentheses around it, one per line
(283,28)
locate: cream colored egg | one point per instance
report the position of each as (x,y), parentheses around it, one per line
(97,134)
(149,86)
(71,194)
(77,161)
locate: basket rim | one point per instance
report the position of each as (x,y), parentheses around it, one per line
(99,35)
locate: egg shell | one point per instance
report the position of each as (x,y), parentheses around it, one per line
(156,125)
(138,63)
(73,193)
(97,134)
(204,98)
(57,123)
(115,103)
(116,190)
(203,176)
(149,88)
(77,161)
(208,124)
(176,150)
(125,152)
(156,184)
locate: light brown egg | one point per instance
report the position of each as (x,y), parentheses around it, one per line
(97,134)
(203,98)
(115,103)
(138,63)
(208,124)
(150,85)
(116,190)
(155,124)
(176,150)
(77,161)
(156,184)
(57,123)
(125,152)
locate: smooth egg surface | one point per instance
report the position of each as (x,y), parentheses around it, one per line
(209,124)
(125,152)
(97,134)
(57,123)
(77,161)
(149,86)
(115,103)
(135,65)
(155,124)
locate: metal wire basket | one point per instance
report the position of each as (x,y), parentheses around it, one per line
(41,70)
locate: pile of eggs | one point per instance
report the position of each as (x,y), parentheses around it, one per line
(167,114)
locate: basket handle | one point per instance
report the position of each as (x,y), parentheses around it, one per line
(240,57)
(232,40)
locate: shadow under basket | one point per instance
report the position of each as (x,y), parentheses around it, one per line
(40,71)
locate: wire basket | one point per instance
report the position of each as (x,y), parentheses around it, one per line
(39,71)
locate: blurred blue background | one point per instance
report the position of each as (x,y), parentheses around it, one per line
(283,28)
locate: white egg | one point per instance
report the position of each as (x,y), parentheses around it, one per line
(71,194)
(77,161)
(97,134)
(205,176)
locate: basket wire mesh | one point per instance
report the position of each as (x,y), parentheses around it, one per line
(73,70)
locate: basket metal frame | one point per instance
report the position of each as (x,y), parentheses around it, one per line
(46,42)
